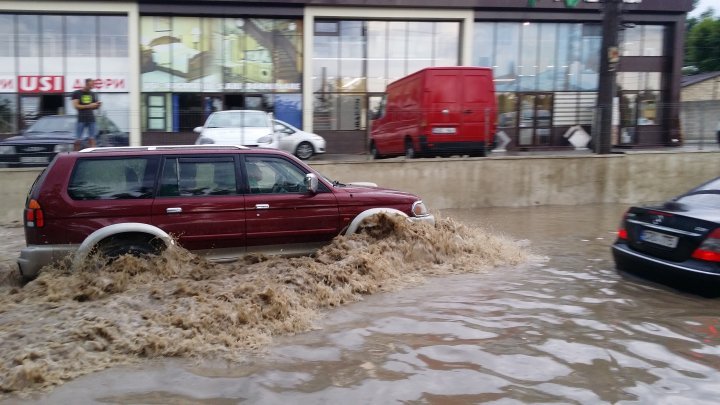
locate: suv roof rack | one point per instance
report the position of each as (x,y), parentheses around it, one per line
(161,147)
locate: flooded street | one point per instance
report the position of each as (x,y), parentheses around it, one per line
(557,326)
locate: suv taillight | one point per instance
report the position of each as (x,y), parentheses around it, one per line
(34,217)
(709,250)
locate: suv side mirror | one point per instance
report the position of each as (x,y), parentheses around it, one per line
(198,129)
(311,183)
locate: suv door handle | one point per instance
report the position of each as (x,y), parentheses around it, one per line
(467,112)
(173,210)
(262,206)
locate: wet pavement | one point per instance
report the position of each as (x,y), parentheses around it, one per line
(562,327)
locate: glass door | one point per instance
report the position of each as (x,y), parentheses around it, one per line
(535,123)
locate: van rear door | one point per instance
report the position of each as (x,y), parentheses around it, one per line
(478,106)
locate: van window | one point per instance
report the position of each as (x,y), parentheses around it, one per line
(111,179)
(198,176)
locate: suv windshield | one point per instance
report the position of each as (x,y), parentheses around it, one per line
(238,119)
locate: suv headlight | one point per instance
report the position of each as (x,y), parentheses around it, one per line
(419,209)
(7,150)
(204,141)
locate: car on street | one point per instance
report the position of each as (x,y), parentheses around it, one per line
(52,134)
(250,128)
(255,128)
(221,201)
(302,144)
(680,237)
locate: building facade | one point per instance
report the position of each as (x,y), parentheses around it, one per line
(162,66)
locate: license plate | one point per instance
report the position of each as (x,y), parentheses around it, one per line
(34,159)
(659,239)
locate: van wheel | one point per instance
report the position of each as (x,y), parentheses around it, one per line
(374,151)
(304,151)
(409,149)
(133,244)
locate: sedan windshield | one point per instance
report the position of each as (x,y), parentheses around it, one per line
(52,124)
(238,120)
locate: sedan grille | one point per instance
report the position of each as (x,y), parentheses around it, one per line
(34,148)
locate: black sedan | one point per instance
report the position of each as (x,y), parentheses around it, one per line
(50,135)
(680,237)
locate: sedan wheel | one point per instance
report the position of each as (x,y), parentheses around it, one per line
(304,151)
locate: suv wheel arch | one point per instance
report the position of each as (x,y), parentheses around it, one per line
(355,224)
(130,229)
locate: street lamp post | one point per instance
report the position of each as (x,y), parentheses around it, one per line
(609,58)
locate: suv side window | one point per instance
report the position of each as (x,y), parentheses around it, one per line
(198,176)
(111,179)
(268,174)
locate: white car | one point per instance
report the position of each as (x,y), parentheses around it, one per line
(238,127)
(258,129)
(302,144)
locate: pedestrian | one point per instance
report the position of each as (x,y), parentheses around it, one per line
(85,102)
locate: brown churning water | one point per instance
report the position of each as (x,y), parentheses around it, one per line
(65,324)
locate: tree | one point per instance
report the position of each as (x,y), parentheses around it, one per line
(703,44)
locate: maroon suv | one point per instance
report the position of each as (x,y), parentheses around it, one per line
(219,201)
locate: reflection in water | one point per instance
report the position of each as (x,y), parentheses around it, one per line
(566,329)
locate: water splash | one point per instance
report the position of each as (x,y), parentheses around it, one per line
(68,323)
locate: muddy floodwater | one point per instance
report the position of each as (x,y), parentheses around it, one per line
(503,306)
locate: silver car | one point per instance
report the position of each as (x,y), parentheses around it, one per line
(302,144)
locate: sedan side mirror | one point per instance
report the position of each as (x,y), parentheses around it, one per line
(198,129)
(311,183)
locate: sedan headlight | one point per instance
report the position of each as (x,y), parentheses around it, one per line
(419,209)
(204,141)
(7,150)
(64,147)
(265,139)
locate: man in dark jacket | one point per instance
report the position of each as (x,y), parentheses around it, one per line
(85,102)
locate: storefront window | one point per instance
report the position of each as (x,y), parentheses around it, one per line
(28,44)
(397,50)
(484,44)
(420,56)
(8,114)
(81,35)
(528,67)
(363,56)
(506,59)
(643,40)
(377,51)
(446,44)
(548,71)
(352,56)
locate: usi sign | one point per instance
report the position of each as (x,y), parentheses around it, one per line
(40,84)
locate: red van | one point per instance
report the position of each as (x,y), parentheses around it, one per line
(436,111)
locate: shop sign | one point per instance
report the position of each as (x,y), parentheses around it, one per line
(103,84)
(60,84)
(40,84)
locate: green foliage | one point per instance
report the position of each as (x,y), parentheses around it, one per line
(703,44)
